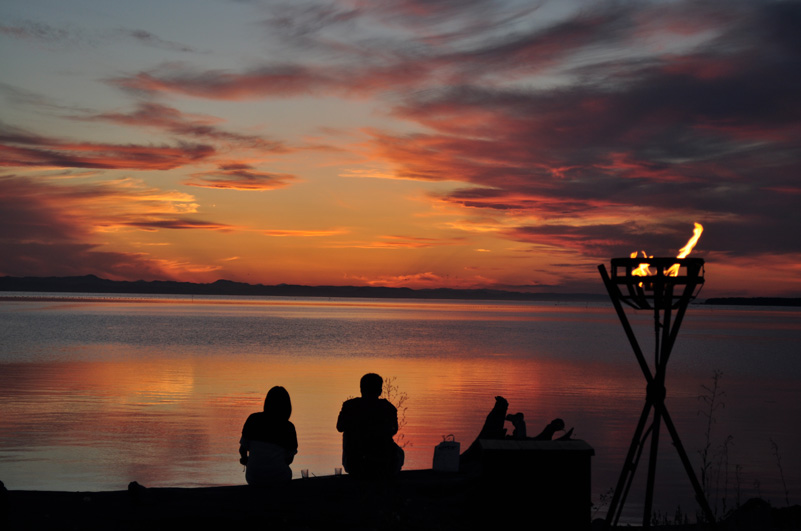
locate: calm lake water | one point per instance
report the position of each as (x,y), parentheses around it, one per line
(97,393)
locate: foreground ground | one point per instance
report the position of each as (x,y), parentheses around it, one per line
(419,500)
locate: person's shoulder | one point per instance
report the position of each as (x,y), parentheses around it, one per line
(253,421)
(387,404)
(286,427)
(255,418)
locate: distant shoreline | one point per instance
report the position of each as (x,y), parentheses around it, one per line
(93,285)
(754,301)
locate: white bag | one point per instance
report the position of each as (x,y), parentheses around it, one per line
(446,455)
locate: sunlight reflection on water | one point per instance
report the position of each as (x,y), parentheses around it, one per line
(97,394)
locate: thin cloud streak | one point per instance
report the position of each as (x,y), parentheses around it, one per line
(397,242)
(179,224)
(47,34)
(149,39)
(172,120)
(278,80)
(240,177)
(303,233)
(22,149)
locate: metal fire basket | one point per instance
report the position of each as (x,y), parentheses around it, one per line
(660,291)
(657,290)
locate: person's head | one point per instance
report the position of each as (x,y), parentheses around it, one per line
(277,403)
(371,385)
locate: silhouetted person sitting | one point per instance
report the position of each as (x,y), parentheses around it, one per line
(269,442)
(494,429)
(368,425)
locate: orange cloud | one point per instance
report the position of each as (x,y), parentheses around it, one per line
(417,242)
(428,279)
(399,242)
(51,229)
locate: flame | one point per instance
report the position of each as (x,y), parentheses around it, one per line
(643,269)
(673,271)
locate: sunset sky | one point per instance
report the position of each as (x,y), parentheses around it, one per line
(422,143)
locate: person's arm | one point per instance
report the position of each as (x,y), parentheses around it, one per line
(243,451)
(342,419)
(291,452)
(392,419)
(244,442)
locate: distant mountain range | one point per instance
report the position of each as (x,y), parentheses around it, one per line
(94,284)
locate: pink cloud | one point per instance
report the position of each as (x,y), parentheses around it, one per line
(276,81)
(22,149)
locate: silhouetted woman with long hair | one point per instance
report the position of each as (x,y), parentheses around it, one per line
(269,442)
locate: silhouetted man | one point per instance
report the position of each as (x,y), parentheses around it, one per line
(368,424)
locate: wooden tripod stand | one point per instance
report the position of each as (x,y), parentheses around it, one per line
(662,293)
